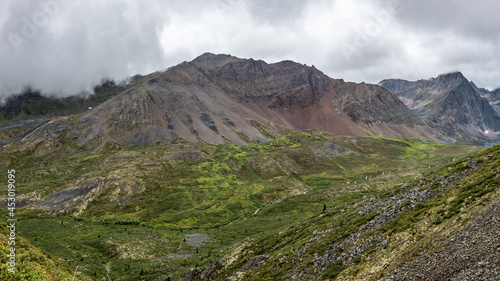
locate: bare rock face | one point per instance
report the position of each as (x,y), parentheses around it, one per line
(302,97)
(210,269)
(281,85)
(493,97)
(449,103)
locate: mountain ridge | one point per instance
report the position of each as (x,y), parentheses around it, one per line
(294,95)
(449,103)
(215,99)
(287,94)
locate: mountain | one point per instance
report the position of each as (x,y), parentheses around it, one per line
(449,103)
(222,98)
(302,97)
(493,98)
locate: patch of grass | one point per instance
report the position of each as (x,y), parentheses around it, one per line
(334,269)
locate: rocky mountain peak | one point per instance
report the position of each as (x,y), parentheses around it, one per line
(451,75)
(207,56)
(396,85)
(209,61)
(219,98)
(450,103)
(452,79)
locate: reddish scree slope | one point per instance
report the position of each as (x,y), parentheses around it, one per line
(213,97)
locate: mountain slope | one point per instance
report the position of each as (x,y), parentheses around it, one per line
(218,98)
(493,98)
(31,262)
(449,103)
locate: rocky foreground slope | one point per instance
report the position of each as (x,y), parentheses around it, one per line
(473,254)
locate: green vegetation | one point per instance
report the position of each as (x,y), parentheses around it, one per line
(410,233)
(31,262)
(259,199)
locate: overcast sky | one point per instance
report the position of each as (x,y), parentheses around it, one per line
(64,47)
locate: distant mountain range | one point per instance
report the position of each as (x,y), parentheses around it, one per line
(451,104)
(222,98)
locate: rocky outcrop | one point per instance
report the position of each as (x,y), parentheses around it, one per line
(191,274)
(196,274)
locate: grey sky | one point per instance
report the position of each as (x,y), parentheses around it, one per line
(64,47)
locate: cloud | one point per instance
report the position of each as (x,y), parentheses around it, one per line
(65,47)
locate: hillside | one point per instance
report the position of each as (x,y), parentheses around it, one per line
(32,263)
(449,103)
(442,226)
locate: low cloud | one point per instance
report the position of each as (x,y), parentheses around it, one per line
(65,47)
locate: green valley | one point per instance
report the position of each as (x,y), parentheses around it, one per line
(159,211)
